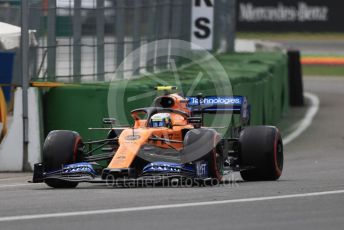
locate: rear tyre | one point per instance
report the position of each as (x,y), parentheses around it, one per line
(61,147)
(261,147)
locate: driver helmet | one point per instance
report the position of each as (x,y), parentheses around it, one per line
(161,120)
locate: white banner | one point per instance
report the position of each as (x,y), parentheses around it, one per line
(202,24)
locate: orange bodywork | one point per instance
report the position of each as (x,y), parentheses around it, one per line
(132,139)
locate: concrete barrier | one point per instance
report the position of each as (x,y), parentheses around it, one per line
(11,147)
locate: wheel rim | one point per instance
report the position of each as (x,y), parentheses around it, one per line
(218,163)
(78,150)
(279,155)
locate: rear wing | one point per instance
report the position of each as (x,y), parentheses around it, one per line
(220,104)
(213,104)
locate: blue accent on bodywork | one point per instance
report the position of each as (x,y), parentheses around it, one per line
(82,167)
(197,169)
(217,103)
(79,167)
(168,167)
(202,169)
(213,100)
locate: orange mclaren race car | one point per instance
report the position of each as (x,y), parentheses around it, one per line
(168,142)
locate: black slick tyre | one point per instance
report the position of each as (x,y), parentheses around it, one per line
(261,148)
(61,147)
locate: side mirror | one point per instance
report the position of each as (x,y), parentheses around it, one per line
(109,121)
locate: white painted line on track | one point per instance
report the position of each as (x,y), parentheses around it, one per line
(13,178)
(168,206)
(6,179)
(15,185)
(307,120)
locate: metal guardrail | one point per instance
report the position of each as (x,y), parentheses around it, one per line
(85,41)
(88,43)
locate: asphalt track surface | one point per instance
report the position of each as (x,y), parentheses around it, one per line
(309,195)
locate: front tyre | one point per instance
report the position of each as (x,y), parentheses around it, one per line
(61,147)
(204,144)
(215,160)
(261,148)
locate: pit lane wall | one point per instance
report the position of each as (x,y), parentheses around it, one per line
(262,77)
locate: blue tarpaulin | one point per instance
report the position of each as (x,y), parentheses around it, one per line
(6,72)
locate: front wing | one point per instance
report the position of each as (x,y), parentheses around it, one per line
(156,173)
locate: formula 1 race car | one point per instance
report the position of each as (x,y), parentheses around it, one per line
(168,142)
